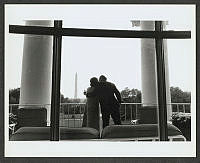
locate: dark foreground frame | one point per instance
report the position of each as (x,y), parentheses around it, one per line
(120,160)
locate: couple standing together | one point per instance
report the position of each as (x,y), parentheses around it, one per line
(109,98)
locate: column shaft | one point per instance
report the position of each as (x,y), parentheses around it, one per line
(37,68)
(148,69)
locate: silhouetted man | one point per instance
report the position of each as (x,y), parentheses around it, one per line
(109,103)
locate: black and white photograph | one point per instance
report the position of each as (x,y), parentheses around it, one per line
(100,80)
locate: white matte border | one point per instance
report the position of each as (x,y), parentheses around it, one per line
(100,148)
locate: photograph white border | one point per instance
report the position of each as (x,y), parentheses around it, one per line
(100,148)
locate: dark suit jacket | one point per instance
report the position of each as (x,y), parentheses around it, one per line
(108,94)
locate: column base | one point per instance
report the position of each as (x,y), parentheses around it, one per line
(148,115)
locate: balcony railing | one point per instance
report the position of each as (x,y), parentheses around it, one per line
(71,114)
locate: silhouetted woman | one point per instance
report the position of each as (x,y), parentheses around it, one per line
(91,115)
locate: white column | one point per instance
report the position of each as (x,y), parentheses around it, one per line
(149,91)
(37,68)
(148,68)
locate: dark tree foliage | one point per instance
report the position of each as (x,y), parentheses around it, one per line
(183,122)
(14,95)
(178,96)
(134,96)
(128,95)
(131,95)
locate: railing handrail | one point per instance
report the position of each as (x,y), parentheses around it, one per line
(82,103)
(181,103)
(28,104)
(72,114)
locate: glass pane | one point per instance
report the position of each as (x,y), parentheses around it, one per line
(181,75)
(79,65)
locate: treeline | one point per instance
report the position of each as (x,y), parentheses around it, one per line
(128,96)
(179,96)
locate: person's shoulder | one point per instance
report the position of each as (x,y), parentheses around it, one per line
(111,84)
(90,89)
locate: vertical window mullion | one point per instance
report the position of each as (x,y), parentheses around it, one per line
(56,73)
(161,83)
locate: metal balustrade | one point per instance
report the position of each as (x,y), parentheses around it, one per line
(71,114)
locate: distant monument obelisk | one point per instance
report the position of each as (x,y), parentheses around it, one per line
(75,92)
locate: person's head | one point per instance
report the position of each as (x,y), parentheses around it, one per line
(93,82)
(102,78)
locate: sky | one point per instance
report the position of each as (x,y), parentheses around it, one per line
(118,59)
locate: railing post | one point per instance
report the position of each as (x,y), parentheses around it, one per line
(11,109)
(136,112)
(74,114)
(177,107)
(80,115)
(189,108)
(131,112)
(68,115)
(63,113)
(183,108)
(125,112)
